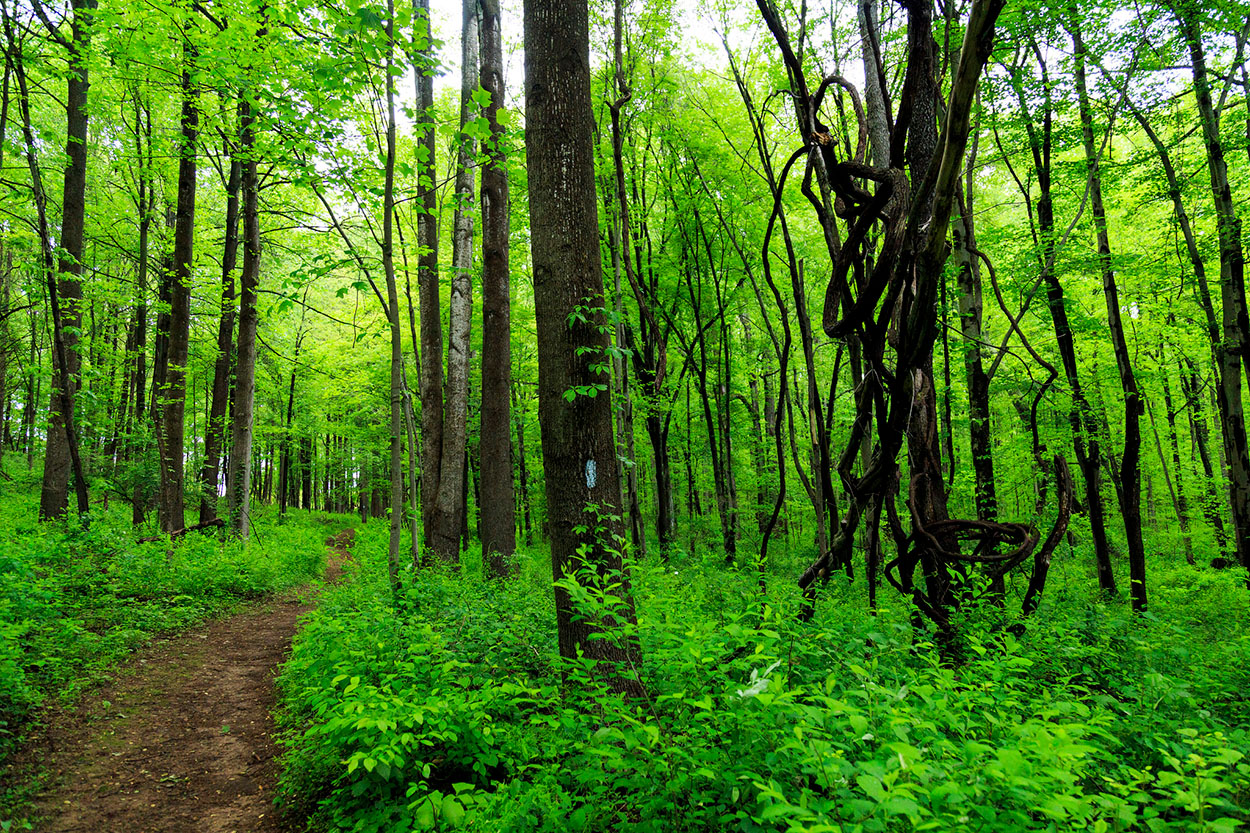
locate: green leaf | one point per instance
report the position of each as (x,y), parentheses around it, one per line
(453,810)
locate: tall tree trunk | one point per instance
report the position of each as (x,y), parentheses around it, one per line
(522,470)
(1232,352)
(1081,416)
(171,429)
(968,282)
(239,477)
(1198,431)
(1129,486)
(700,366)
(621,256)
(215,432)
(449,515)
(286,483)
(725,410)
(61,455)
(6,270)
(32,395)
(876,105)
(306,472)
(924,452)
(498,524)
(431,379)
(398,383)
(625,418)
(143,205)
(1172,479)
(578,448)
(970,308)
(160,340)
(6,264)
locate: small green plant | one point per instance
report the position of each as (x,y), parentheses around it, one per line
(604,320)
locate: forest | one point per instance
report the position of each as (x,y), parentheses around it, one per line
(624,415)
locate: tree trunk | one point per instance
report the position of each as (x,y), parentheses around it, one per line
(1172,478)
(498,518)
(398,384)
(61,455)
(1199,433)
(876,105)
(6,270)
(449,514)
(215,431)
(239,478)
(522,471)
(970,308)
(160,340)
(578,449)
(171,431)
(431,379)
(144,205)
(286,484)
(1129,486)
(1081,417)
(1232,354)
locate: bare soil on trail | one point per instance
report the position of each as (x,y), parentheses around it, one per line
(183,741)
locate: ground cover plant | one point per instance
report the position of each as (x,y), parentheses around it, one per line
(450,708)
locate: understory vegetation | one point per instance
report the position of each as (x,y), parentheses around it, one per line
(446,709)
(75,602)
(950,297)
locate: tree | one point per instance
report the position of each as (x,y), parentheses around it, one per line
(239,477)
(498,530)
(1236,324)
(1128,484)
(575,408)
(449,499)
(170,429)
(1085,437)
(431,372)
(215,432)
(65,295)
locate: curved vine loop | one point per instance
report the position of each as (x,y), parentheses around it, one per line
(990,541)
(862,210)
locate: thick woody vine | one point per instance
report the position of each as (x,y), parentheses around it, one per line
(882,293)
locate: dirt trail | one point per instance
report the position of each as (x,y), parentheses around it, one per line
(184,743)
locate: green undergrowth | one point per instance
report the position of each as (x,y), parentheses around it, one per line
(448,711)
(74,602)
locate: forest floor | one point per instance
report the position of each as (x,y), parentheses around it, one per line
(183,739)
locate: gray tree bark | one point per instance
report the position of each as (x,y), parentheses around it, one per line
(582,478)
(449,513)
(239,477)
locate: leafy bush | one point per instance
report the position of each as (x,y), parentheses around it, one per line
(450,709)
